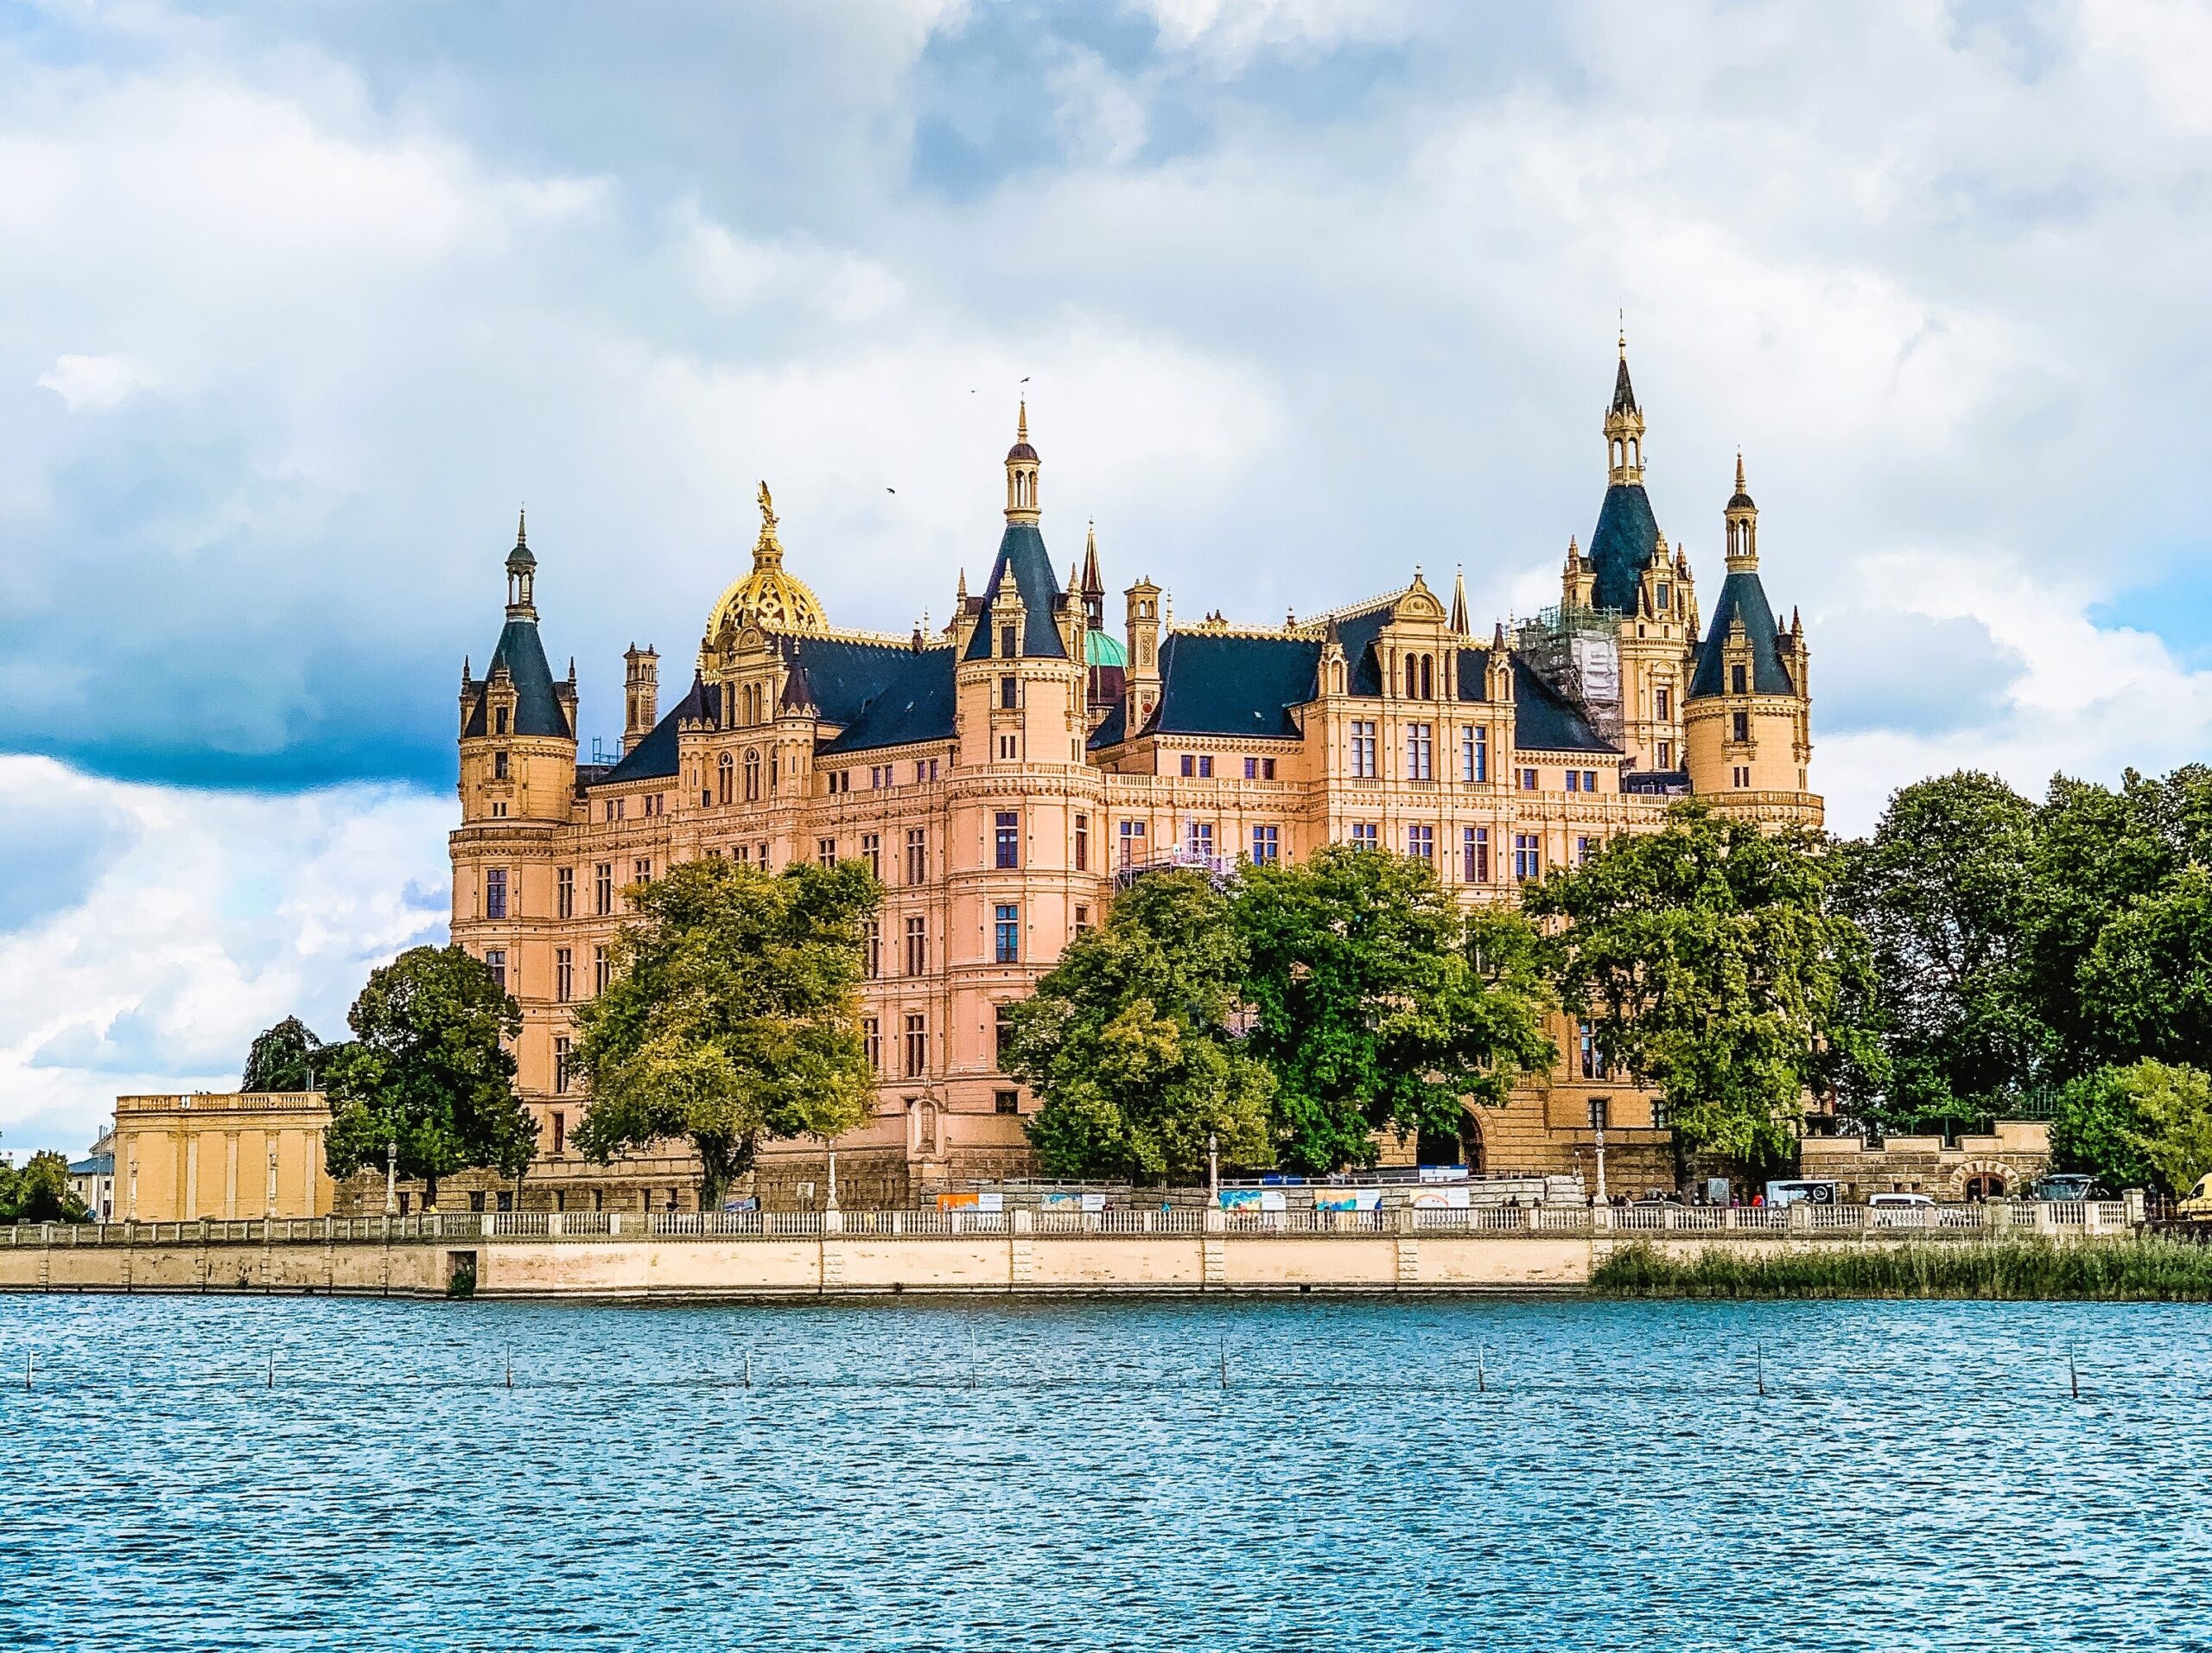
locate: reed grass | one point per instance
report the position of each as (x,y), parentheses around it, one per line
(2135,1269)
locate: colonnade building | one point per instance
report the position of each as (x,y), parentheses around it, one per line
(1003,775)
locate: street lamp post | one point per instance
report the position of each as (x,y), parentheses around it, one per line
(391,1176)
(831,1203)
(1213,1167)
(1598,1130)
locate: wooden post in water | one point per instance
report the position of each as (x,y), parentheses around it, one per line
(1224,1362)
(511,1369)
(748,1369)
(2073,1377)
(30,1361)
(1762,1369)
(272,1368)
(1480,1386)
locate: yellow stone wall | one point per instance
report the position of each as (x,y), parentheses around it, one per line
(179,1158)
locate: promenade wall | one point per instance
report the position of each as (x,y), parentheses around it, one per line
(814,1253)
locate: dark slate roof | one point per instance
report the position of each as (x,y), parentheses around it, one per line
(1021,551)
(1624,392)
(910,697)
(1741,594)
(1210,683)
(1621,545)
(537,708)
(1109,732)
(1355,636)
(1543,718)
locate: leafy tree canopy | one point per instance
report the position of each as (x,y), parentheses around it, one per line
(1130,1041)
(2096,1130)
(1709,963)
(2173,1105)
(1378,1005)
(429,1070)
(284,1058)
(39,1191)
(733,1015)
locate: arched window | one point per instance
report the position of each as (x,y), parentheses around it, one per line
(753,777)
(1428,677)
(725,780)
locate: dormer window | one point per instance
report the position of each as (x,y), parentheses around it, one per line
(1009,642)
(500,721)
(1662,595)
(1736,681)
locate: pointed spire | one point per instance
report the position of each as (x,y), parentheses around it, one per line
(1021,422)
(522,528)
(1459,602)
(960,596)
(467,681)
(1497,637)
(1624,392)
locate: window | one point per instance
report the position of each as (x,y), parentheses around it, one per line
(602,969)
(1735,684)
(1009,748)
(753,777)
(872,948)
(1132,842)
(1421,842)
(1007,838)
(879,775)
(1664,595)
(1586,1044)
(825,852)
(560,1119)
(1199,835)
(1363,749)
(917,945)
(1666,754)
(1190,764)
(500,721)
(872,1040)
(1006,1101)
(1005,935)
(564,973)
(498,765)
(1474,854)
(495,960)
(1527,856)
(1574,780)
(918,1045)
(641,870)
(602,887)
(1474,752)
(917,855)
(1205,766)
(1740,725)
(499,811)
(1083,843)
(872,852)
(1009,694)
(1665,701)
(1589,781)
(742,853)
(1002,1036)
(565,892)
(560,1067)
(1418,746)
(495,894)
(1658,1113)
(1528,780)
(1082,921)
(1266,846)
(1366,835)
(1584,848)
(836,781)
(1009,642)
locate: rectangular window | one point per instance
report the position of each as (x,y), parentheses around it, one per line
(1418,752)
(825,852)
(742,853)
(1664,596)
(1665,702)
(1658,1113)
(1007,838)
(1666,754)
(565,892)
(641,870)
(1251,769)
(1528,780)
(1190,764)
(872,1038)
(560,1119)
(1008,643)
(1007,1102)
(1002,1037)
(1082,921)
(917,945)
(1009,748)
(602,969)
(917,1046)
(1266,845)
(917,855)
(1474,854)
(1589,781)
(495,894)
(871,949)
(1528,856)
(872,852)
(495,959)
(1132,842)
(1366,834)
(1363,749)
(1736,681)
(1009,694)
(1199,836)
(1587,1047)
(560,1067)
(1584,848)
(564,973)
(1740,724)
(1421,842)
(602,887)
(1005,935)
(1083,843)
(1205,766)
(1574,780)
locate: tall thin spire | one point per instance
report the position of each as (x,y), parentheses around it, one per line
(1022,467)
(1460,603)
(522,528)
(1623,427)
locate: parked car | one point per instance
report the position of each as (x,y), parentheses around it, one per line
(1901,1211)
(1810,1191)
(2065,1185)
(2197,1205)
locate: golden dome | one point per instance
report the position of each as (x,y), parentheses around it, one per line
(778,600)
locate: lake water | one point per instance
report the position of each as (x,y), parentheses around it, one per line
(1485,1473)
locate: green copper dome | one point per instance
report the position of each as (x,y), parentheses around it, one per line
(1102,650)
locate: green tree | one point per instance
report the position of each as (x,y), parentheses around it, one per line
(734,1015)
(429,1070)
(1941,891)
(286,1056)
(2146,983)
(1129,1042)
(2173,1105)
(1378,1005)
(39,1191)
(1709,964)
(2097,1130)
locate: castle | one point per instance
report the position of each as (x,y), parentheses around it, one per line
(1002,775)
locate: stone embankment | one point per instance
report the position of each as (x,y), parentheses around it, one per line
(811,1254)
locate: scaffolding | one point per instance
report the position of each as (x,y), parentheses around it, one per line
(1578,651)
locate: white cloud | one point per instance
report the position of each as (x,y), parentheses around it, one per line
(209,917)
(95,384)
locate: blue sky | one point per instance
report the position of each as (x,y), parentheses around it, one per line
(298,304)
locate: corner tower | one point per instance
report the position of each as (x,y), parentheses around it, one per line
(517,724)
(1748,717)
